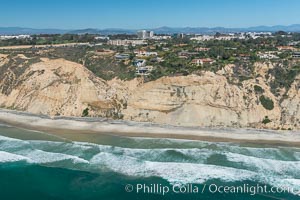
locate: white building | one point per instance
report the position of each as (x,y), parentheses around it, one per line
(203,37)
(126,42)
(144,71)
(296,55)
(7,37)
(143,34)
(101,38)
(139,63)
(161,37)
(145,53)
(268,55)
(201,61)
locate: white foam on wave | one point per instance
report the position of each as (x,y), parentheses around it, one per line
(69,148)
(186,165)
(274,172)
(12,145)
(297,155)
(42,157)
(39,157)
(171,171)
(191,154)
(10,157)
(15,149)
(288,185)
(267,167)
(276,153)
(183,155)
(3,138)
(266,152)
(292,184)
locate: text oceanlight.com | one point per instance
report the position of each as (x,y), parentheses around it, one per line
(208,188)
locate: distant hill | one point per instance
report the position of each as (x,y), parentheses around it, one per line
(20,30)
(110,31)
(206,30)
(160,30)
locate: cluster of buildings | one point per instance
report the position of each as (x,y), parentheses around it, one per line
(231,36)
(144,34)
(214,37)
(286,48)
(161,37)
(202,61)
(255,35)
(141,53)
(203,37)
(141,68)
(140,64)
(199,49)
(296,55)
(280,49)
(126,42)
(268,55)
(294,51)
(101,38)
(7,37)
(186,54)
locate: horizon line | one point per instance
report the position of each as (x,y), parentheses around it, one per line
(165,26)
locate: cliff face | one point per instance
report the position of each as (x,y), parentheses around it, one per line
(60,87)
(291,106)
(206,100)
(57,87)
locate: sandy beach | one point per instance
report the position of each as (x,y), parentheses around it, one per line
(139,129)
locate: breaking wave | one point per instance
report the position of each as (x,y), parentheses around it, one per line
(197,162)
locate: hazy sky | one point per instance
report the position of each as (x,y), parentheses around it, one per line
(75,14)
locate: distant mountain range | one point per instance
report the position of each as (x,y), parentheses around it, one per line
(20,30)
(160,30)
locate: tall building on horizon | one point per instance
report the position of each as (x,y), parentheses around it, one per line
(144,34)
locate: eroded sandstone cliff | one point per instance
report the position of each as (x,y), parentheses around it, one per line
(59,87)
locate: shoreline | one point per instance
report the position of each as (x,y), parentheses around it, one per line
(146,129)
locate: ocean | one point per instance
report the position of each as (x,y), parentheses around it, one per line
(90,166)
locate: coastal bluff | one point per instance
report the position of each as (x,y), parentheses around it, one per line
(57,87)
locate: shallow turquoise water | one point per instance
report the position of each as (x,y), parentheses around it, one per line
(38,165)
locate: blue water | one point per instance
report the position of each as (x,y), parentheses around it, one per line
(40,165)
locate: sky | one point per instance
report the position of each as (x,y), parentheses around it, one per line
(137,14)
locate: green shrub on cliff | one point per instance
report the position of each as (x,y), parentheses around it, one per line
(85,112)
(266,102)
(258,89)
(266,120)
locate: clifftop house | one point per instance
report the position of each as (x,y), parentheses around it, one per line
(201,61)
